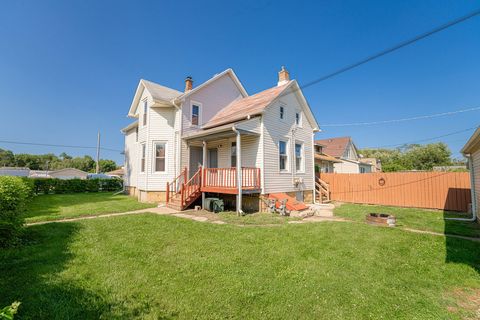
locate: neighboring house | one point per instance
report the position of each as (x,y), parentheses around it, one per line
(217,125)
(118,173)
(39,174)
(68,173)
(343,149)
(14,171)
(323,161)
(374,163)
(471,150)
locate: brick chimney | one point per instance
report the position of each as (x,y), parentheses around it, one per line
(283,76)
(188,83)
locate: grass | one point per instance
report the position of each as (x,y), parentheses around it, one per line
(60,206)
(259,218)
(421,219)
(162,267)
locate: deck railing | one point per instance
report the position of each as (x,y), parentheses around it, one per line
(226,178)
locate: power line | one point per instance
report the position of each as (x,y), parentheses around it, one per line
(394,48)
(435,115)
(56,145)
(423,140)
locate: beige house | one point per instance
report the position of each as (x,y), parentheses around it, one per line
(344,150)
(324,162)
(471,150)
(217,140)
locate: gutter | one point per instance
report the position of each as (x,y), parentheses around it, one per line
(472,191)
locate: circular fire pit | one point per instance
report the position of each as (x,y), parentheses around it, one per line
(381,219)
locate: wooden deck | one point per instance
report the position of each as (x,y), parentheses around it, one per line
(224,180)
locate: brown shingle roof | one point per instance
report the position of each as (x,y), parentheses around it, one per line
(334,146)
(241,108)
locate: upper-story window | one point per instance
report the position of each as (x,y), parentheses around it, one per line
(196,113)
(145,112)
(283,157)
(136,134)
(282,112)
(298,118)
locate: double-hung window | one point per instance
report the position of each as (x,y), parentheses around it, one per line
(195,115)
(145,112)
(283,157)
(233,154)
(160,156)
(142,161)
(298,157)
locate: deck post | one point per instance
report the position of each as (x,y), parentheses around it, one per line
(204,157)
(167,192)
(239,173)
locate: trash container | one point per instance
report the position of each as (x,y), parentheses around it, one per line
(218,205)
(209,203)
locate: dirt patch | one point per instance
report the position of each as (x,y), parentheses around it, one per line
(464,302)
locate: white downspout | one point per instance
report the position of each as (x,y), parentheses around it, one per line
(472,192)
(239,171)
(314,191)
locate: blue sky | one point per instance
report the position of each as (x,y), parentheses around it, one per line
(70,68)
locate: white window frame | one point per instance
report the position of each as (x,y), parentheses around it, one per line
(287,160)
(154,155)
(143,157)
(302,156)
(145,113)
(300,118)
(200,112)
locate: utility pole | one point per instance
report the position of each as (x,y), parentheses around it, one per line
(97,169)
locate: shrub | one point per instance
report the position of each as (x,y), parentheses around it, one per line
(8,312)
(46,186)
(14,195)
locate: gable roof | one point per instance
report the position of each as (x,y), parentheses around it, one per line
(255,105)
(228,72)
(473,143)
(334,146)
(248,106)
(160,94)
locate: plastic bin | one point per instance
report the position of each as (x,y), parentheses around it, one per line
(209,203)
(218,205)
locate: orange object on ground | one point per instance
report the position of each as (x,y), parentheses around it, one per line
(292,203)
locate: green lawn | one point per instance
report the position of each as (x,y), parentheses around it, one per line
(162,267)
(422,219)
(259,218)
(59,206)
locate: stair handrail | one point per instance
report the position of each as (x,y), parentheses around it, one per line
(196,181)
(174,187)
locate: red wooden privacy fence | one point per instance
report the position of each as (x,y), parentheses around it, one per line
(435,190)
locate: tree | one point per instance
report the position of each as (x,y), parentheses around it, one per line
(107,165)
(411,157)
(7,159)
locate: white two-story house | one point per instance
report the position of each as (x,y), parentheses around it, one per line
(216,140)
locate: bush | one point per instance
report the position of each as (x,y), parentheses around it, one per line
(14,195)
(8,312)
(46,186)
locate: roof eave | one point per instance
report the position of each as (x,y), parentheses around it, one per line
(467,148)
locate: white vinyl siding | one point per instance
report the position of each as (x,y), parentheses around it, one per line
(145,112)
(275,130)
(131,158)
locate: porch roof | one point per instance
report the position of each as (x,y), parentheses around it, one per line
(221,132)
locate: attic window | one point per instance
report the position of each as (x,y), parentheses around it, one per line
(282,112)
(145,112)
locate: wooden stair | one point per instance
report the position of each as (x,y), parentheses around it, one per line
(180,198)
(322,190)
